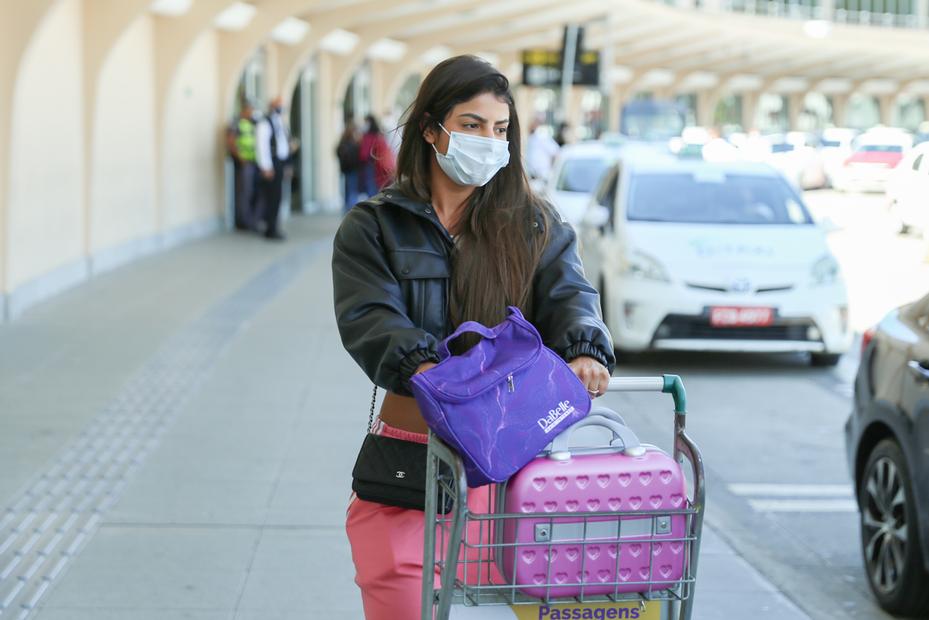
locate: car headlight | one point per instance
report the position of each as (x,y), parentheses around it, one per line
(641,265)
(825,271)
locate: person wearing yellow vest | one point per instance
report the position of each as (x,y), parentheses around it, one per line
(241,142)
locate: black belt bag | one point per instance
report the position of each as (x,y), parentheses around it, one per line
(392,471)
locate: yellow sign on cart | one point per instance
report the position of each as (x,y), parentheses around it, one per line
(589,611)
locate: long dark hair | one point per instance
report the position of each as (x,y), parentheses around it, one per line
(498,248)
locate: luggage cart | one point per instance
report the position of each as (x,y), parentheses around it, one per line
(462,548)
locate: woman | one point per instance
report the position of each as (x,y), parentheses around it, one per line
(377,158)
(348,153)
(459,237)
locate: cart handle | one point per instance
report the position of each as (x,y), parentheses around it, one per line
(668,384)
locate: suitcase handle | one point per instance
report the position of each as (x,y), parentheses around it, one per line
(605,418)
(669,384)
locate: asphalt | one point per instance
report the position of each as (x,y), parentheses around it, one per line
(177,438)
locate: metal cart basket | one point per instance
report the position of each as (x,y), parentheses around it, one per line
(463,549)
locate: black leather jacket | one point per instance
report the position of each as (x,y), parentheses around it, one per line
(390,273)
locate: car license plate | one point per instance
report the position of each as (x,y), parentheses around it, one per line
(731,316)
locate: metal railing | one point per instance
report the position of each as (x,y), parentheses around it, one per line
(885,13)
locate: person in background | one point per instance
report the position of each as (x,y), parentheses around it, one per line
(348,152)
(541,151)
(377,159)
(272,156)
(241,143)
(564,135)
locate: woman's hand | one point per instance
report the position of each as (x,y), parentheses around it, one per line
(424,367)
(593,374)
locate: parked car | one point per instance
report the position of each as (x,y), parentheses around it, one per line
(876,154)
(887,442)
(712,256)
(575,175)
(908,191)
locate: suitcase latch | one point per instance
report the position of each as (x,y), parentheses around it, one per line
(543,532)
(662,525)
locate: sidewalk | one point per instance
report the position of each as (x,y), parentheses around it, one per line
(177,438)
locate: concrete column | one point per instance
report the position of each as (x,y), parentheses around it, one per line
(749,110)
(887,105)
(574,113)
(524,108)
(379,104)
(329,125)
(840,110)
(272,62)
(922,13)
(618,97)
(826,10)
(794,107)
(706,107)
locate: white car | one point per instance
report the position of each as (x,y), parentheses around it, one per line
(575,175)
(695,255)
(908,191)
(876,153)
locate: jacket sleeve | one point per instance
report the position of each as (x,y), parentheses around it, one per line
(370,310)
(566,308)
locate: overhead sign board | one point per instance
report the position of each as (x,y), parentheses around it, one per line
(543,68)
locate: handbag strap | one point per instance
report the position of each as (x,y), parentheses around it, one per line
(371,415)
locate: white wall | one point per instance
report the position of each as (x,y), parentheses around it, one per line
(123,187)
(46,210)
(193,147)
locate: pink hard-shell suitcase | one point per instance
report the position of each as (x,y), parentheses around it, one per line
(566,556)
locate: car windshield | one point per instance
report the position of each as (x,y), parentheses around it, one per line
(580,174)
(712,197)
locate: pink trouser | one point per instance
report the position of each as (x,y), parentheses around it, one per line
(387,549)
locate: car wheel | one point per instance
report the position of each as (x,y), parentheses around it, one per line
(890,533)
(821,360)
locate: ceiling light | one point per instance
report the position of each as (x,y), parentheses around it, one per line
(339,41)
(236,17)
(170,8)
(290,31)
(387,49)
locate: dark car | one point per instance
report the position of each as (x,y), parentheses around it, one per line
(887,438)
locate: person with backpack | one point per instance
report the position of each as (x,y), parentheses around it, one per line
(348,153)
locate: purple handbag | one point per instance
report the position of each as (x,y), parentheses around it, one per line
(501,402)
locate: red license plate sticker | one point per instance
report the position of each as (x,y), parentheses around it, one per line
(729,316)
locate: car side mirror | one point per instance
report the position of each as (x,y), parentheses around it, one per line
(597,216)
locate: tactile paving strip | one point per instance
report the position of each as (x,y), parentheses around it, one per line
(46,526)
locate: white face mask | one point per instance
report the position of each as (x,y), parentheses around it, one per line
(472,160)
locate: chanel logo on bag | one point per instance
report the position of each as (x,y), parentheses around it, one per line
(400,474)
(555,416)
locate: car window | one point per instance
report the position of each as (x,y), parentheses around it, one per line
(580,174)
(713,197)
(916,162)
